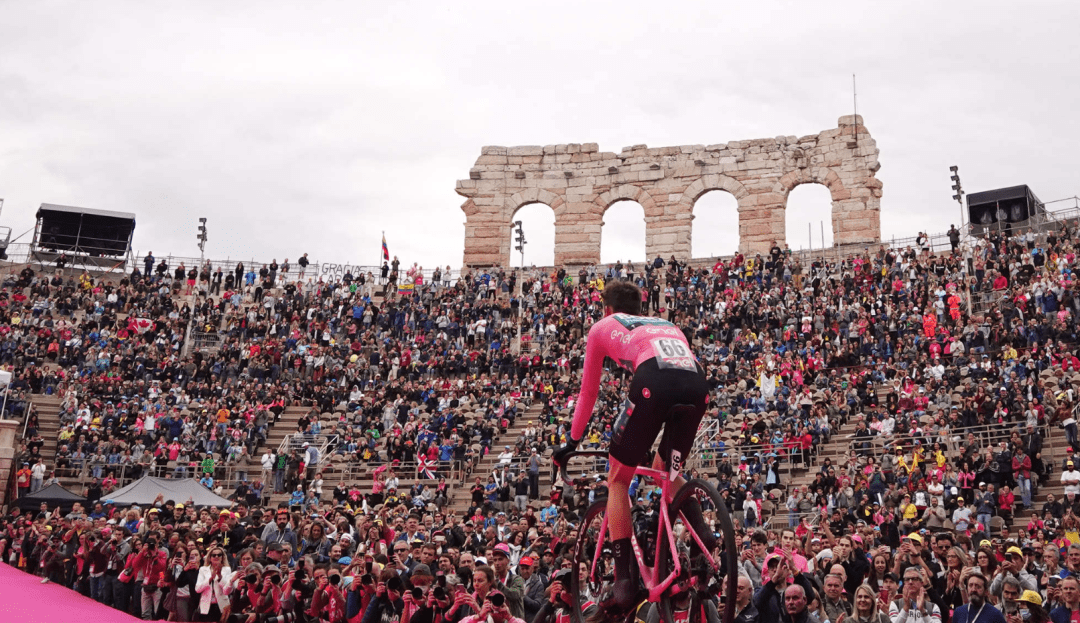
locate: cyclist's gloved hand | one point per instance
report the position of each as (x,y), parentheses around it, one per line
(560,455)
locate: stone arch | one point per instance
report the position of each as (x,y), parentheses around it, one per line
(706,183)
(532,195)
(814,175)
(824,176)
(628,192)
(684,207)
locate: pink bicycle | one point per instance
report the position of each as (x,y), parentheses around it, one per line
(668,573)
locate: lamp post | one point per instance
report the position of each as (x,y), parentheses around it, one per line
(201,237)
(202,241)
(519,238)
(959,190)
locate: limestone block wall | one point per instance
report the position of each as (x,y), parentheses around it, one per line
(579,183)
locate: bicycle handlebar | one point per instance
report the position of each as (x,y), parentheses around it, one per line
(562,467)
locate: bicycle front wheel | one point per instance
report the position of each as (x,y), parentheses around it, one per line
(588,582)
(724,571)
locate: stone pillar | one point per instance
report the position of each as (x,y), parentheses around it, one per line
(577,235)
(761,222)
(669,234)
(8,429)
(857,220)
(488,239)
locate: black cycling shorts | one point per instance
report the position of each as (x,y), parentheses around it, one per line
(653,393)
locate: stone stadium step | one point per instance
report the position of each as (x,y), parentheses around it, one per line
(364,478)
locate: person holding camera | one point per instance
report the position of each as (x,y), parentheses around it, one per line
(387,603)
(328,602)
(246,592)
(149,569)
(496,609)
(430,605)
(560,601)
(1013,567)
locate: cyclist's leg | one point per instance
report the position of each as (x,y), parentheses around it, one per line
(618,503)
(679,437)
(630,441)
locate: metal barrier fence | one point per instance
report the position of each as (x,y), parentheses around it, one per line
(207,342)
(987,436)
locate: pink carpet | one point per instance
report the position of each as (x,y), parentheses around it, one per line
(24,599)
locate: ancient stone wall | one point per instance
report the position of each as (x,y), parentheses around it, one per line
(579,183)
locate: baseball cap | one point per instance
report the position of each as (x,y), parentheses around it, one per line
(525,560)
(1031,597)
(501,548)
(1015,550)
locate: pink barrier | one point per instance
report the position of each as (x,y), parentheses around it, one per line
(25,599)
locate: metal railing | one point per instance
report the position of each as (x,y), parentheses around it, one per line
(26,418)
(206,342)
(323,442)
(705,433)
(953,441)
(226,477)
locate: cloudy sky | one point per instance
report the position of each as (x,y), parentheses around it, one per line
(312,127)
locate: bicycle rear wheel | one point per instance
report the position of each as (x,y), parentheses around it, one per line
(726,571)
(588,537)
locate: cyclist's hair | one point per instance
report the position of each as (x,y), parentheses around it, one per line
(623,297)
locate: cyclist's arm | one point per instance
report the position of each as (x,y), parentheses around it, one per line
(590,381)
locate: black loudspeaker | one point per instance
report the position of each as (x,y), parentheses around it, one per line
(82,231)
(1012,205)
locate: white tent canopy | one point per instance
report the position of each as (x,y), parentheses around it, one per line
(145,490)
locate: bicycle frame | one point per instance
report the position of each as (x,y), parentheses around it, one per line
(650,575)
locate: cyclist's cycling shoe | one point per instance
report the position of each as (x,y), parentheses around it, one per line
(621,598)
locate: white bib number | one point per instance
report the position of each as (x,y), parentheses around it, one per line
(673,353)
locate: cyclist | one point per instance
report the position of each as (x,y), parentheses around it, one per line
(666,373)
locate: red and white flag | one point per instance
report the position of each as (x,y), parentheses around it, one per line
(140,325)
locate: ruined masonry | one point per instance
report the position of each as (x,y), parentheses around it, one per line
(579,183)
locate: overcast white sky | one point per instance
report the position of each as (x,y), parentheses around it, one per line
(311,127)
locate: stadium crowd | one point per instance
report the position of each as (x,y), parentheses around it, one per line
(929,356)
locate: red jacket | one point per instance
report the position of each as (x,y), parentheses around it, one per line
(152,565)
(1022,466)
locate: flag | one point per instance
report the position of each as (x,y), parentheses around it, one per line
(385,249)
(405,288)
(424,467)
(767,385)
(139,325)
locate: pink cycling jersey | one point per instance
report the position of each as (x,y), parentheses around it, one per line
(629,341)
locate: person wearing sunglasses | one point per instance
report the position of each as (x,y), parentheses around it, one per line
(213,585)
